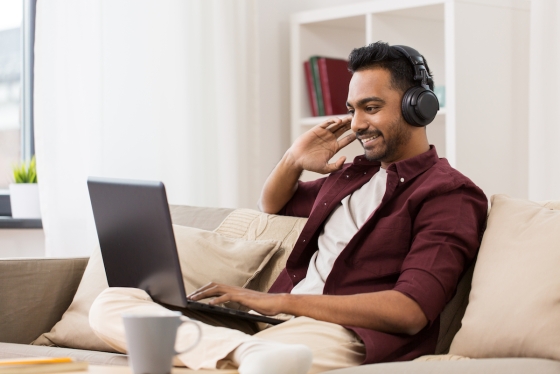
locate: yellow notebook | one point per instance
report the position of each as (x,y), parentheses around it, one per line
(41,365)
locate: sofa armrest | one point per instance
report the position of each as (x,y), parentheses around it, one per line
(34,293)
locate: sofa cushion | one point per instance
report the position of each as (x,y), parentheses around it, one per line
(208,256)
(204,256)
(489,365)
(253,225)
(441,358)
(514,304)
(73,329)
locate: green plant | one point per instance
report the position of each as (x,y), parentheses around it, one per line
(26,172)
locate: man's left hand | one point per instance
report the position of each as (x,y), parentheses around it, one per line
(264,303)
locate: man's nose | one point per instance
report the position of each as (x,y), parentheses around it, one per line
(358,123)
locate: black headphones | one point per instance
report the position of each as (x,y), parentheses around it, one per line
(419,104)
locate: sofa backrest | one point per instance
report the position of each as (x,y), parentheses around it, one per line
(198,217)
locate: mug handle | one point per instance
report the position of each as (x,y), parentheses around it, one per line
(198,336)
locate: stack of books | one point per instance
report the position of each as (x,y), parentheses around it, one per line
(327,85)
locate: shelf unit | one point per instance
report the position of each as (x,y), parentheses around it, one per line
(477,49)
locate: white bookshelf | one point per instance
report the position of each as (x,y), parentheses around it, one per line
(477,49)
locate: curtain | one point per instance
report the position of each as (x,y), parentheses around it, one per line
(544,101)
(141,89)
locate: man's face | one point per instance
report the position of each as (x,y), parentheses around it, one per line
(375,107)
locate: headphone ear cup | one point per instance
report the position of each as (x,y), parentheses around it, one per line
(419,106)
(407,108)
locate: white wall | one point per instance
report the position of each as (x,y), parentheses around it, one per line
(22,243)
(544,92)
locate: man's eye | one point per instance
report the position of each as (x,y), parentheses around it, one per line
(371,108)
(351,112)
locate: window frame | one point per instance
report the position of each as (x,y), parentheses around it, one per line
(27,86)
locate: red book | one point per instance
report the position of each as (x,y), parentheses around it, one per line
(335,79)
(311,89)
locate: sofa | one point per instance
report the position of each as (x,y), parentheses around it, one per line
(35,293)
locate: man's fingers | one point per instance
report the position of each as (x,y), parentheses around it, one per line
(333,124)
(328,122)
(213,290)
(341,129)
(203,288)
(221,299)
(338,164)
(337,124)
(347,140)
(335,166)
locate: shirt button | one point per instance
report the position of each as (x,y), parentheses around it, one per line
(347,176)
(325,204)
(303,240)
(402,179)
(294,275)
(364,173)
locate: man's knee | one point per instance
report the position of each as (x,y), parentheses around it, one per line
(111,302)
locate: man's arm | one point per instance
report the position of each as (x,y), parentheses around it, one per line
(447,232)
(387,311)
(280,185)
(311,151)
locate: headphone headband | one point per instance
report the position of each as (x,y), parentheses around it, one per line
(417,60)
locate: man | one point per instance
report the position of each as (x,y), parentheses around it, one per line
(387,239)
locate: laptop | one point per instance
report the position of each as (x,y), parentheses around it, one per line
(138,245)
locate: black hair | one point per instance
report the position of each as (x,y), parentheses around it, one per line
(382,55)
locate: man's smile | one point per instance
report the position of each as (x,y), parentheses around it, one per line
(369,140)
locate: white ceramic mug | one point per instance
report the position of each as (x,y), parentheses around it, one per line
(151,341)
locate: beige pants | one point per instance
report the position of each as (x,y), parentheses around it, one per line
(333,346)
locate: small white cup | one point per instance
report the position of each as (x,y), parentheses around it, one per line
(151,341)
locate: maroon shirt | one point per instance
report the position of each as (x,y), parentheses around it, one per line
(419,241)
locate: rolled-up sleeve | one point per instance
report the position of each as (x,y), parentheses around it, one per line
(446,237)
(301,204)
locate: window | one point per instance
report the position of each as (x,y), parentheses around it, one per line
(17,29)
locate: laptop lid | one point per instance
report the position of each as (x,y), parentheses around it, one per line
(136,237)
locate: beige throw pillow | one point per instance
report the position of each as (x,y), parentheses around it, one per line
(73,329)
(253,225)
(514,304)
(204,255)
(207,256)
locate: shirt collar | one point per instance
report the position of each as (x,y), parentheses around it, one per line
(409,168)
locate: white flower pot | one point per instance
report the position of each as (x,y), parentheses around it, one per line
(24,200)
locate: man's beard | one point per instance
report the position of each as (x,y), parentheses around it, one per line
(397,135)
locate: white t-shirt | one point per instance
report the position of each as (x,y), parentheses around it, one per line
(343,223)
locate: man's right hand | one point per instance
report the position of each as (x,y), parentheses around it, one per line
(313,149)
